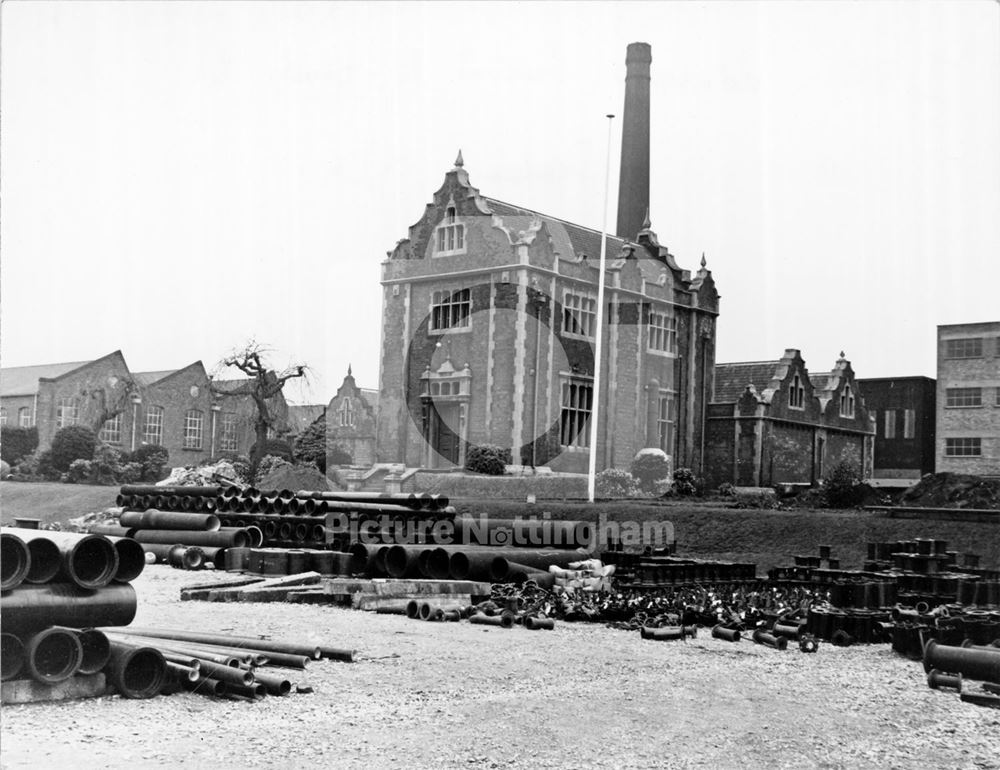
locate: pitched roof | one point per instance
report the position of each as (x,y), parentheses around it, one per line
(301,416)
(23,380)
(732,379)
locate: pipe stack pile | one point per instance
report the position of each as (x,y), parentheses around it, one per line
(658,568)
(56,587)
(949,667)
(212,664)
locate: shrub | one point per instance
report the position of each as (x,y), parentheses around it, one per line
(764,499)
(727,489)
(276,447)
(686,483)
(152,458)
(649,469)
(842,488)
(74,442)
(45,468)
(487,459)
(106,465)
(16,443)
(616,483)
(130,473)
(79,472)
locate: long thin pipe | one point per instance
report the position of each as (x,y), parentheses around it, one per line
(596,393)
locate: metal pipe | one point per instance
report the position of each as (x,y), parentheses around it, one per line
(808,643)
(12,657)
(770,640)
(171,520)
(427,612)
(131,559)
(90,561)
(215,555)
(533,624)
(226,537)
(94,646)
(235,642)
(46,560)
(53,655)
(969,662)
(153,489)
(15,560)
(789,630)
(186,557)
(523,532)
(206,686)
(729,634)
(182,673)
(937,679)
(190,651)
(33,607)
(503,621)
(275,685)
(110,529)
(255,535)
(251,691)
(527,557)
(520,574)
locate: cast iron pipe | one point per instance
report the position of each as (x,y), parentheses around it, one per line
(729,634)
(131,559)
(94,646)
(523,532)
(937,679)
(981,699)
(534,624)
(503,621)
(969,662)
(15,560)
(206,686)
(225,537)
(427,612)
(808,643)
(12,657)
(109,528)
(189,650)
(171,520)
(46,560)
(235,642)
(33,607)
(153,489)
(790,630)
(769,640)
(182,673)
(275,685)
(53,655)
(841,638)
(90,561)
(186,557)
(215,555)
(250,691)
(667,633)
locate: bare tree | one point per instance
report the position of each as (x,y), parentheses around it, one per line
(108,402)
(262,385)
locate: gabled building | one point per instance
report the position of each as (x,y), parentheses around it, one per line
(772,422)
(490,319)
(350,421)
(172,408)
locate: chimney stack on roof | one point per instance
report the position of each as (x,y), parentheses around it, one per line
(633,180)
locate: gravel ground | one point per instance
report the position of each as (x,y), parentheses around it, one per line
(458,695)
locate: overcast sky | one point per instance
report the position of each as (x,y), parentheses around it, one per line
(178,177)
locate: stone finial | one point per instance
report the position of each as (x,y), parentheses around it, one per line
(349,371)
(842,355)
(646,224)
(703,262)
(458,161)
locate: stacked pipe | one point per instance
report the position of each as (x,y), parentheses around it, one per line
(218,665)
(57,586)
(655,570)
(951,667)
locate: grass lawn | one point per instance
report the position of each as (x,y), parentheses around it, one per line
(51,502)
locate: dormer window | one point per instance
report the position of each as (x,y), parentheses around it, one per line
(796,394)
(847,402)
(449,237)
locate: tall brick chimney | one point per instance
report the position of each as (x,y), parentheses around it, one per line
(633,180)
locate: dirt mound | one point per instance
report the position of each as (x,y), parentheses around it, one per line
(953,490)
(296,477)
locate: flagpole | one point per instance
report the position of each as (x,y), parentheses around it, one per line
(599,330)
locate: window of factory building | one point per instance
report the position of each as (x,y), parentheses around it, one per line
(67,413)
(963,447)
(579,315)
(152,429)
(963,397)
(910,423)
(665,419)
(111,431)
(889,423)
(662,333)
(847,402)
(194,421)
(797,394)
(24,415)
(451,310)
(227,433)
(450,235)
(574,420)
(967,347)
